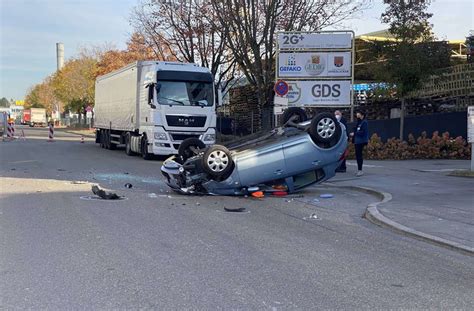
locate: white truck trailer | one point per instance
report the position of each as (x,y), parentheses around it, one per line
(38,117)
(151,107)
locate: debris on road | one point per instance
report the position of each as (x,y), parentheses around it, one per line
(234,210)
(103,194)
(326,196)
(128,185)
(258,194)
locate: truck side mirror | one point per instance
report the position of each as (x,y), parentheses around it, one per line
(150,95)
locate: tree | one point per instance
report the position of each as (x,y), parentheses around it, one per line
(250,29)
(113,59)
(4,102)
(413,57)
(74,83)
(42,96)
(185,30)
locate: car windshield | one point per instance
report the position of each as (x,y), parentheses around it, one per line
(185,93)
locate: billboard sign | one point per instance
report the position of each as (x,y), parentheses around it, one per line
(322,40)
(319,93)
(314,64)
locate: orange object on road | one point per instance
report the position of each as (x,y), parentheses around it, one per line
(257,194)
(280,193)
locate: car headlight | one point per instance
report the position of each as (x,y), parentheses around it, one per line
(161,136)
(209,137)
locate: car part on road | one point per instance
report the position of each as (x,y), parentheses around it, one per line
(103,194)
(234,210)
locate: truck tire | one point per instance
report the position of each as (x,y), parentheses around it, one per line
(128,145)
(106,139)
(144,149)
(299,114)
(217,162)
(325,129)
(185,151)
(112,146)
(102,139)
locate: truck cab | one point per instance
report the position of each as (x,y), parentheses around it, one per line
(182,103)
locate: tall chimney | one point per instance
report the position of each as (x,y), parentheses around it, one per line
(60,55)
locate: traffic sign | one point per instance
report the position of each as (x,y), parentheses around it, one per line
(281,88)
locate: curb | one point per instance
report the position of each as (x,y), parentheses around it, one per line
(374,216)
(79,134)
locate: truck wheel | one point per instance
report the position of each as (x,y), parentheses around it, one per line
(112,146)
(106,139)
(325,128)
(298,114)
(144,149)
(128,145)
(189,147)
(102,138)
(217,161)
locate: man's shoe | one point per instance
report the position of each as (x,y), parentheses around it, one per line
(359,173)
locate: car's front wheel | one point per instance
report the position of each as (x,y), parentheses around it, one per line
(294,114)
(190,147)
(325,128)
(217,162)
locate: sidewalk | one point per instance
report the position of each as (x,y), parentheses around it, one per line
(425,198)
(86,132)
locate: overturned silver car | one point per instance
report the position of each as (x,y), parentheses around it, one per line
(289,158)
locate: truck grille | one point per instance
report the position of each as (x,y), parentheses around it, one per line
(178,137)
(186,121)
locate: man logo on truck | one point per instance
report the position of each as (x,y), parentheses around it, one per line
(186,121)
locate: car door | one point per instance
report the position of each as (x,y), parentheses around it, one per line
(260,164)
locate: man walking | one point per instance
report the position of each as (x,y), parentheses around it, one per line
(360,138)
(338,114)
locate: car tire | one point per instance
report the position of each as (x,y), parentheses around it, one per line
(144,148)
(128,145)
(217,162)
(291,112)
(325,128)
(185,151)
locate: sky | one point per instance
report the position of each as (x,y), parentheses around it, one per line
(29,30)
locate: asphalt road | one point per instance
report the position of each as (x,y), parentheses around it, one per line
(160,250)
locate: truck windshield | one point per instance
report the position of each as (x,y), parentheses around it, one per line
(185,93)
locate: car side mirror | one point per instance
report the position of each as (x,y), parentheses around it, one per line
(158,88)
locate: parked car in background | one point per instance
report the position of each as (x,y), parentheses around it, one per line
(291,157)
